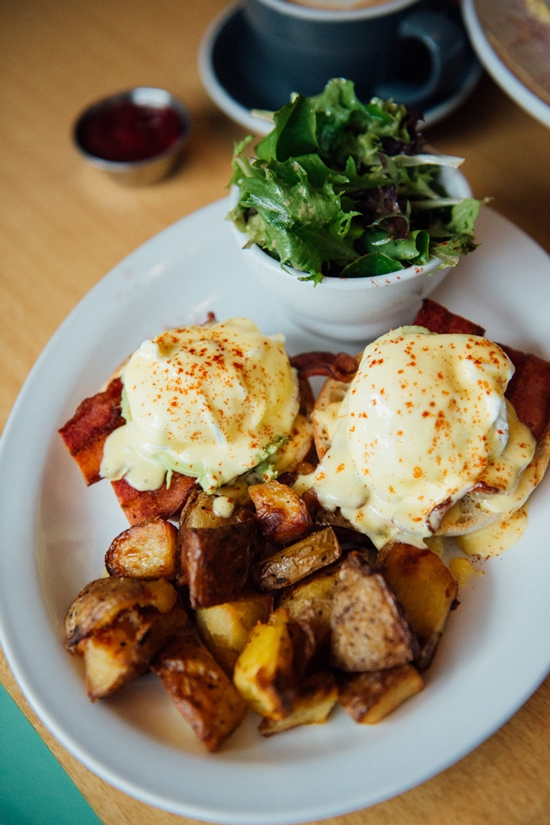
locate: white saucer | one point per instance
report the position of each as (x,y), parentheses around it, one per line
(227,77)
(514,47)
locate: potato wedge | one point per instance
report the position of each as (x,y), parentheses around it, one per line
(369,697)
(225,628)
(100,602)
(282,515)
(264,672)
(118,653)
(144,551)
(200,511)
(297,561)
(313,702)
(199,687)
(369,628)
(215,562)
(309,603)
(426,589)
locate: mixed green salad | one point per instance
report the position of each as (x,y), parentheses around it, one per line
(342,188)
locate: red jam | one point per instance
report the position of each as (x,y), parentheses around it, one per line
(127,132)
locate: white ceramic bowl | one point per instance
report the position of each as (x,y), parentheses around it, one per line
(353,309)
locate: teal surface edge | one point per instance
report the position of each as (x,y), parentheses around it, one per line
(34,787)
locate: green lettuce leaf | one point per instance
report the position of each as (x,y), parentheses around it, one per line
(339,187)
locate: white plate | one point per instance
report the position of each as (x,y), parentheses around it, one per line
(513,45)
(226,76)
(55,532)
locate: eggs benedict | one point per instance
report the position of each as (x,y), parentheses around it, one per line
(423,425)
(212,402)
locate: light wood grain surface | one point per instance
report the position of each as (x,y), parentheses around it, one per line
(63,226)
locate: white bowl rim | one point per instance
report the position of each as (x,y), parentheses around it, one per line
(349,284)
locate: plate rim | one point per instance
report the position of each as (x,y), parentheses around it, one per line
(20,668)
(501,74)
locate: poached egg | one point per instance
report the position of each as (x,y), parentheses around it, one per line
(211,401)
(424,422)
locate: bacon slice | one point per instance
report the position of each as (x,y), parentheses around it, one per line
(340,366)
(166,502)
(437,318)
(86,432)
(529,389)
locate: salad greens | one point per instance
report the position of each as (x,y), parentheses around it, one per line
(342,188)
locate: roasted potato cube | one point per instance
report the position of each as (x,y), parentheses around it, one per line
(264,672)
(369,697)
(224,628)
(215,562)
(200,688)
(297,561)
(369,628)
(282,515)
(309,604)
(426,589)
(200,511)
(118,653)
(313,702)
(100,602)
(144,551)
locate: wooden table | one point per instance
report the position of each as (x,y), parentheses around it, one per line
(63,226)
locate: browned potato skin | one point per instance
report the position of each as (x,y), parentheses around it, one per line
(144,551)
(309,604)
(297,561)
(200,689)
(225,628)
(312,704)
(100,602)
(264,672)
(216,561)
(199,512)
(425,588)
(118,653)
(369,697)
(369,628)
(282,515)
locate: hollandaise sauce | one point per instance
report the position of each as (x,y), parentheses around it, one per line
(209,401)
(424,422)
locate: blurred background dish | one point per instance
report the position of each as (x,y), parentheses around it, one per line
(229,75)
(135,136)
(512,41)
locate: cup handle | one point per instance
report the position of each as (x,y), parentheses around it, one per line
(432,49)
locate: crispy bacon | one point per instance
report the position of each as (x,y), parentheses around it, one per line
(166,502)
(437,318)
(340,366)
(529,389)
(86,432)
